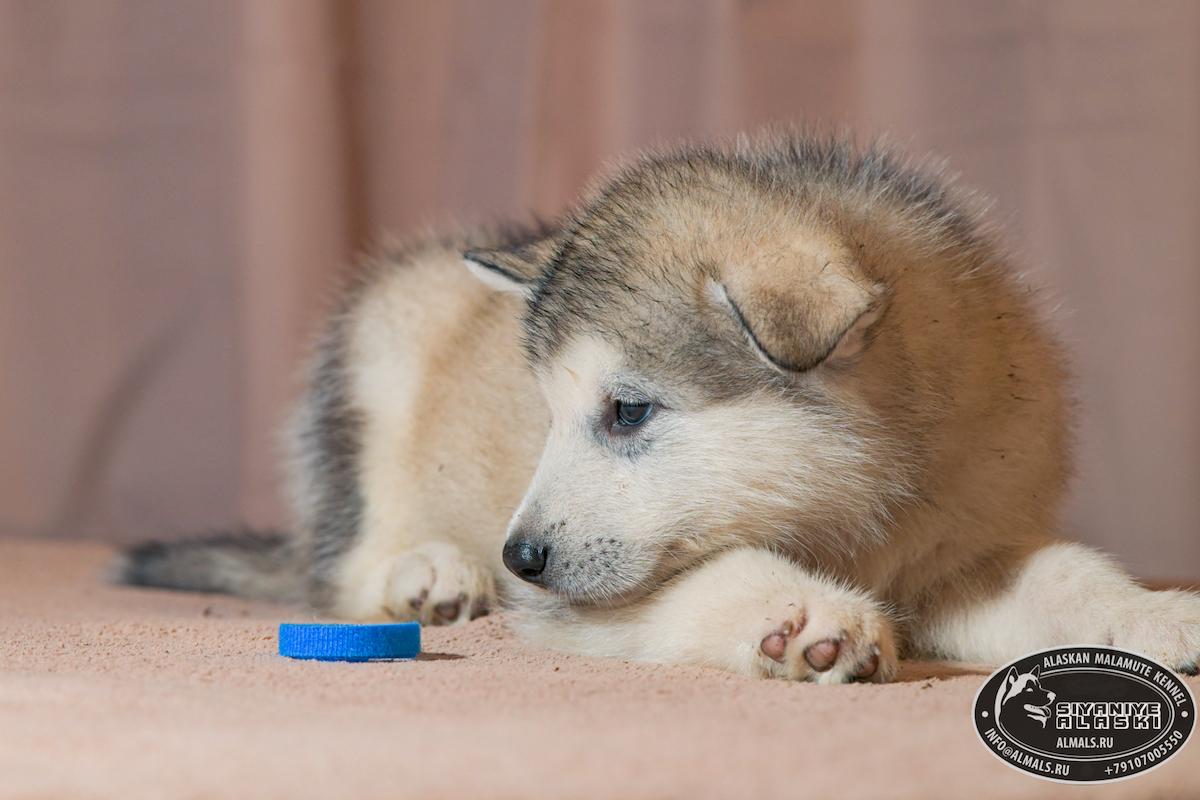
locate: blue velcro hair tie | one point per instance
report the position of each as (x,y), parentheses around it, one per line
(341,642)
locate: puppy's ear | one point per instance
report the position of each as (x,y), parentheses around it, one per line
(1011,677)
(513,269)
(1036,671)
(799,319)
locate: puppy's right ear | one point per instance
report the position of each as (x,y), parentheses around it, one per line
(511,269)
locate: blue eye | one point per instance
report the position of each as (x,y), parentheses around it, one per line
(632,414)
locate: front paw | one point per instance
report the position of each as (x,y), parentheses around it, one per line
(1164,626)
(436,584)
(839,638)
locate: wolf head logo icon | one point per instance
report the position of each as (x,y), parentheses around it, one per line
(1023,693)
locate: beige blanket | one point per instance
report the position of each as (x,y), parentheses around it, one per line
(113,692)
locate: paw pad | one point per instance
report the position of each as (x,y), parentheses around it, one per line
(436,584)
(774,644)
(822,655)
(868,668)
(448,610)
(418,601)
(480,608)
(839,638)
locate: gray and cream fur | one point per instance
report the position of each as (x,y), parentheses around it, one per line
(782,407)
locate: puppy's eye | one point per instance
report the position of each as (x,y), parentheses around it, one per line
(632,414)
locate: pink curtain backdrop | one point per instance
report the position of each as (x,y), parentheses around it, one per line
(183,183)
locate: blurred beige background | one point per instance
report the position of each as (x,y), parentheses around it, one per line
(182,184)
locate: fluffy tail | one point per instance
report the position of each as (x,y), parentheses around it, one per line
(261,566)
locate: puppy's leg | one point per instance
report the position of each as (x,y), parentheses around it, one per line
(1066,594)
(749,611)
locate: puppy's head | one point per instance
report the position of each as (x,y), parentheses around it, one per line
(710,339)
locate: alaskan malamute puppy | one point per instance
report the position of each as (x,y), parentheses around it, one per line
(783,408)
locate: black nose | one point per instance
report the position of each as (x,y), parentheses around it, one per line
(525,559)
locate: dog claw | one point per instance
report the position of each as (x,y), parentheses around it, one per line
(822,655)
